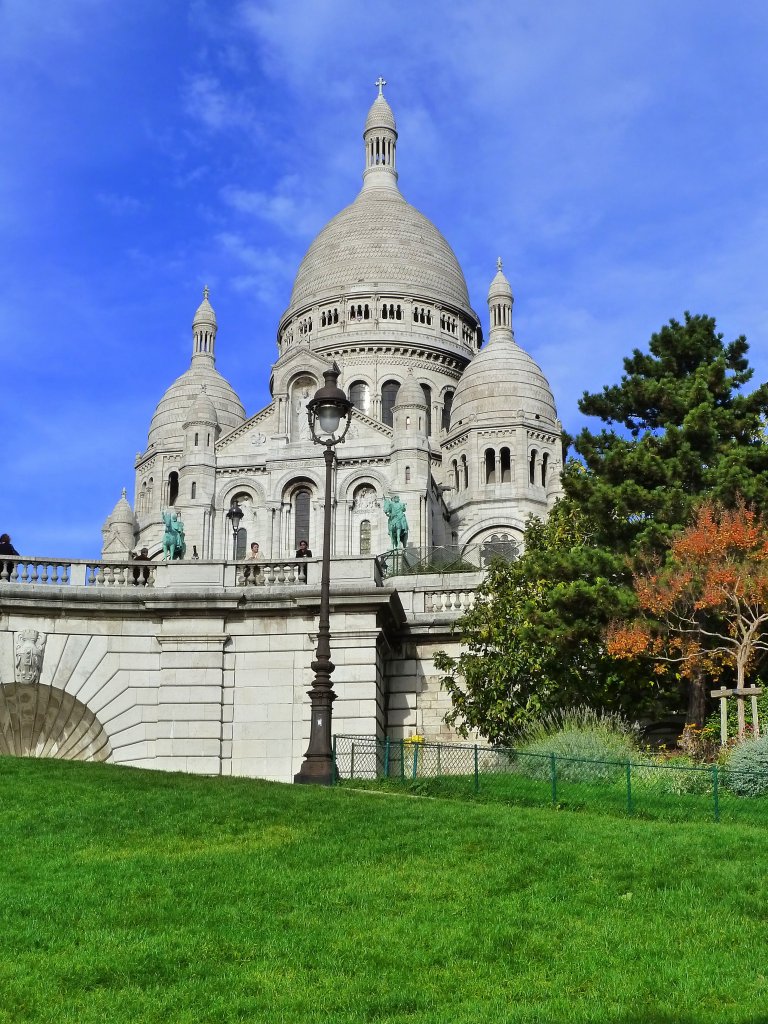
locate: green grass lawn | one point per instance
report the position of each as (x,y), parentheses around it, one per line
(132,896)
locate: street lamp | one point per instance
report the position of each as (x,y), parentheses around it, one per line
(330,413)
(234,516)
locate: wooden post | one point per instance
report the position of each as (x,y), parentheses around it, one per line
(753,692)
(723,693)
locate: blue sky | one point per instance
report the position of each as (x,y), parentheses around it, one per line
(614,154)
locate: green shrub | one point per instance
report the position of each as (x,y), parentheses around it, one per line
(675,777)
(594,746)
(747,768)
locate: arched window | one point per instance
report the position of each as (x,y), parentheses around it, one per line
(464,472)
(407,474)
(241,543)
(365,537)
(193,490)
(359,396)
(388,397)
(544,462)
(447,403)
(197,440)
(532,466)
(428,397)
(302,500)
(506,466)
(490,466)
(455,467)
(173,487)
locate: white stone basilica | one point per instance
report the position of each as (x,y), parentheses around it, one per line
(468,436)
(199,666)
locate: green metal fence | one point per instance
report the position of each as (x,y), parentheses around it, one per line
(646,786)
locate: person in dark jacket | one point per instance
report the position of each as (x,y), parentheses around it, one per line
(6,548)
(303,552)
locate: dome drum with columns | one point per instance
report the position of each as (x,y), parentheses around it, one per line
(467,434)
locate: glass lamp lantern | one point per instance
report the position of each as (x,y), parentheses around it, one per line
(330,411)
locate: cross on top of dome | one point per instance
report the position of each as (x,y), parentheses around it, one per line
(380,82)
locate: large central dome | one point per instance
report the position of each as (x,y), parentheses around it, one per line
(380,242)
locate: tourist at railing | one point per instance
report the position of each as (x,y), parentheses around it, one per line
(141,574)
(303,552)
(6,548)
(252,571)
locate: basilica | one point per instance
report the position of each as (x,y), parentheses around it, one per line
(463,429)
(197,664)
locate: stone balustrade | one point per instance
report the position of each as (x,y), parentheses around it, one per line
(449,600)
(186,574)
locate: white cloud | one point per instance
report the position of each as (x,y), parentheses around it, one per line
(210,104)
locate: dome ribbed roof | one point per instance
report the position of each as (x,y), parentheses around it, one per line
(380,115)
(411,394)
(205,313)
(122,512)
(381,241)
(501,380)
(172,411)
(202,409)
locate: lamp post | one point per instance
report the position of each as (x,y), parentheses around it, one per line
(330,413)
(234,516)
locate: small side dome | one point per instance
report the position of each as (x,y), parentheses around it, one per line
(499,381)
(502,380)
(173,408)
(202,409)
(410,395)
(122,513)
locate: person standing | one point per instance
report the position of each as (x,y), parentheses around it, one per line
(303,552)
(6,548)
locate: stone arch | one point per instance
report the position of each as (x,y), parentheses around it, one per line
(505,537)
(370,477)
(44,721)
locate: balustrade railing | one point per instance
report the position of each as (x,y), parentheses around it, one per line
(449,600)
(260,574)
(35,571)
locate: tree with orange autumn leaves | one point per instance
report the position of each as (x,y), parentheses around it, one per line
(706,606)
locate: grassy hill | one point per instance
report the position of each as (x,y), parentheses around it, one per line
(137,897)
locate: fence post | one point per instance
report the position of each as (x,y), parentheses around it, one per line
(629,787)
(715,791)
(352,761)
(477,771)
(334,772)
(553,776)
(402,759)
(415,759)
(439,748)
(386,758)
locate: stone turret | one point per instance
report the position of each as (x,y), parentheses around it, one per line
(410,469)
(118,531)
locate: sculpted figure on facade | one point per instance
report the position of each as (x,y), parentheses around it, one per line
(30,648)
(394,510)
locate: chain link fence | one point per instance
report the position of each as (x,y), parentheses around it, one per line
(647,786)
